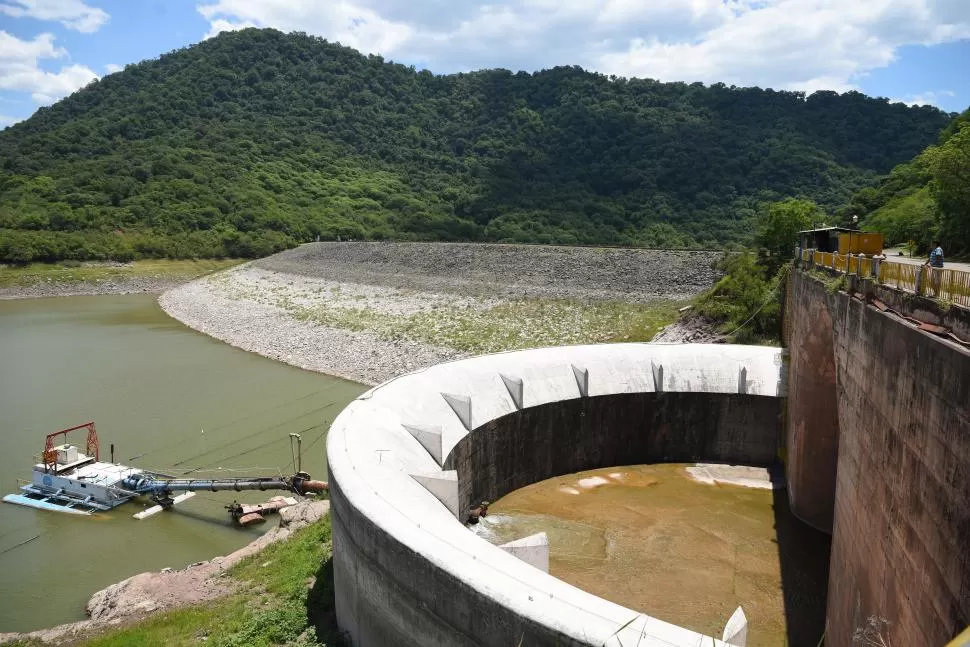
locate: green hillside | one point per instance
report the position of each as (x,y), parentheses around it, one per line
(255,140)
(924,199)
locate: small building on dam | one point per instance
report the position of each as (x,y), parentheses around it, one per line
(869,414)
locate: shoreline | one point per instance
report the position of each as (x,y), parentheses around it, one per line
(143,594)
(38,281)
(368,312)
(133,285)
(207,306)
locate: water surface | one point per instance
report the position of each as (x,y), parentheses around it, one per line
(161,392)
(650,538)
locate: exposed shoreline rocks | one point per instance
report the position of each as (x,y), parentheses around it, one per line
(127,285)
(371,311)
(507,271)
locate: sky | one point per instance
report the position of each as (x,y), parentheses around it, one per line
(913,51)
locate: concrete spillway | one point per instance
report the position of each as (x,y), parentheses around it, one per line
(410,457)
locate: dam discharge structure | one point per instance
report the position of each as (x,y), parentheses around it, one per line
(410,458)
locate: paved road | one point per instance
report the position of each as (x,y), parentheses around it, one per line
(892,255)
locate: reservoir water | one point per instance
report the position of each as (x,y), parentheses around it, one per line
(650,538)
(169,399)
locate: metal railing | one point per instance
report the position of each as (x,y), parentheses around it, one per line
(938,283)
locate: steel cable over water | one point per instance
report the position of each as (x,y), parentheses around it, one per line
(229,424)
(255,433)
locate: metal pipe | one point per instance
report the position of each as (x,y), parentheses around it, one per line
(145,485)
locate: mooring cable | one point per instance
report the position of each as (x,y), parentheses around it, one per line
(255,433)
(231,423)
(25,541)
(248,451)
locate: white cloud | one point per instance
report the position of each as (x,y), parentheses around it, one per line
(796,44)
(928,98)
(20,69)
(111,68)
(791,44)
(344,21)
(73,14)
(6,120)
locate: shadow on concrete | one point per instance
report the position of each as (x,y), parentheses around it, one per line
(804,556)
(320,610)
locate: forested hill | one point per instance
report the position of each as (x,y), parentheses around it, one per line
(256,140)
(924,199)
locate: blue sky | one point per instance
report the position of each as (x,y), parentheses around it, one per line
(916,51)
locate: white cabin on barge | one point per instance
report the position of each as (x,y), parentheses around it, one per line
(68,480)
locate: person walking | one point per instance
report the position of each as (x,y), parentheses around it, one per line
(935,263)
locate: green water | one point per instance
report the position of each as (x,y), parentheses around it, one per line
(152,386)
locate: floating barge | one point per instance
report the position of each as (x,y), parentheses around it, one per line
(67,480)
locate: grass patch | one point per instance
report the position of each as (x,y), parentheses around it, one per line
(67,272)
(513,325)
(285,598)
(534,323)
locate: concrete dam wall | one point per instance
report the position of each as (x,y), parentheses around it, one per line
(878,444)
(408,459)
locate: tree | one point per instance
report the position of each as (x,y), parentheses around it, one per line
(281,138)
(778,227)
(949,165)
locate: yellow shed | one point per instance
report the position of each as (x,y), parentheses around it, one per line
(860,242)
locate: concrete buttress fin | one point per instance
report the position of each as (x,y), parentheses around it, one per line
(533,550)
(462,406)
(736,629)
(658,377)
(444,487)
(582,380)
(743,380)
(430,439)
(515,387)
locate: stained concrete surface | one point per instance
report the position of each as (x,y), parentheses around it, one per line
(901,531)
(812,440)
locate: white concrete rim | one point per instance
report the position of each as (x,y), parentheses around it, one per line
(371,456)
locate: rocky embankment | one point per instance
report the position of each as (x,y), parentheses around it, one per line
(370,311)
(122,285)
(506,271)
(146,593)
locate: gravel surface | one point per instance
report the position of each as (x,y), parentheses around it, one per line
(218,307)
(509,271)
(371,311)
(691,330)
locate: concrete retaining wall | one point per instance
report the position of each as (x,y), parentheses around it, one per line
(901,532)
(408,572)
(627,429)
(812,434)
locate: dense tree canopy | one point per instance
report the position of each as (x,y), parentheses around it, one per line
(925,198)
(255,140)
(778,227)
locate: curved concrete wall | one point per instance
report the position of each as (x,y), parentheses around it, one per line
(408,572)
(534,444)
